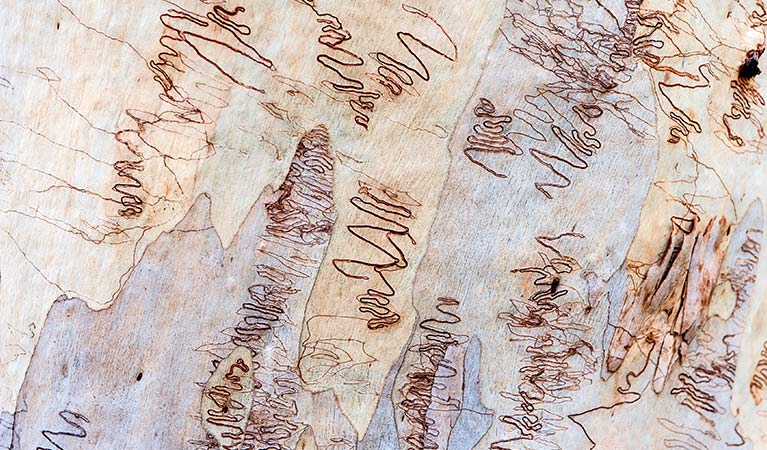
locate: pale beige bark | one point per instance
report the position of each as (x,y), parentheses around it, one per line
(326,224)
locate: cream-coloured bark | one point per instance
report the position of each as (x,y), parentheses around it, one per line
(324,224)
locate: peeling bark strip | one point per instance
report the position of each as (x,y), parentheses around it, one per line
(743,278)
(672,301)
(304,213)
(300,218)
(206,336)
(299,223)
(705,383)
(428,372)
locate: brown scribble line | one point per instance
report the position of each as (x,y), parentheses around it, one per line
(418,391)
(490,136)
(744,95)
(184,112)
(301,216)
(226,415)
(547,373)
(71,418)
(394,75)
(582,82)
(377,302)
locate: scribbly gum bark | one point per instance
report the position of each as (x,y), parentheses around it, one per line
(673,285)
(414,225)
(179,97)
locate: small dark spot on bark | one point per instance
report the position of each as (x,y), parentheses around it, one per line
(750,67)
(554,284)
(139,376)
(58,24)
